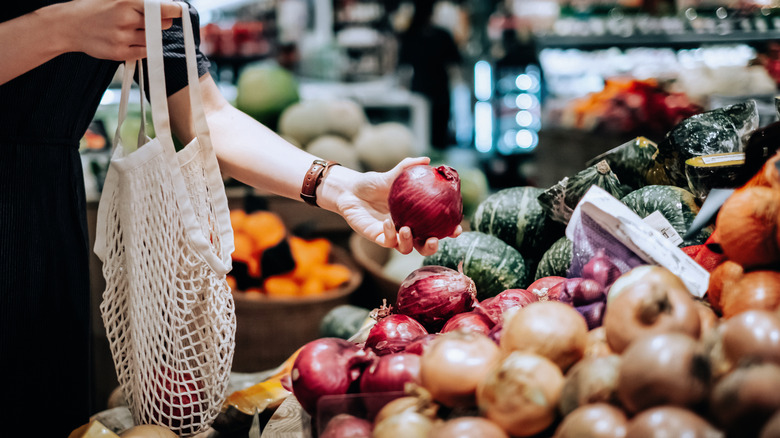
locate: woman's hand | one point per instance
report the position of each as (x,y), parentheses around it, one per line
(363,204)
(111,29)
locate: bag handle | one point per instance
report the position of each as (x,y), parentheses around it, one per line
(127,80)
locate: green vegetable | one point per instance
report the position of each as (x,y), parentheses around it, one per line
(343,321)
(556,260)
(631,161)
(515,216)
(560,200)
(493,265)
(676,204)
(718,131)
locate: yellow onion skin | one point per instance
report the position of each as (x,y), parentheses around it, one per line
(521,394)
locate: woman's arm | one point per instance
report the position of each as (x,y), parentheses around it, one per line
(251,153)
(105,29)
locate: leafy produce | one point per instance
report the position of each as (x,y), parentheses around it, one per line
(392,333)
(550,329)
(556,260)
(521,393)
(648,300)
(343,321)
(560,200)
(662,369)
(515,216)
(427,200)
(717,131)
(433,294)
(455,363)
(676,204)
(493,265)
(594,420)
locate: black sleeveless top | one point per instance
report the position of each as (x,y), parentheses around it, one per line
(45,317)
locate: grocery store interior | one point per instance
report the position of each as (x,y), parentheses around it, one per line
(509,93)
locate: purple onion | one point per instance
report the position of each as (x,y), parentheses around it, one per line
(393,333)
(434,294)
(593,313)
(601,269)
(470,321)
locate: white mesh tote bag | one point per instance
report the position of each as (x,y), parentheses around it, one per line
(165,240)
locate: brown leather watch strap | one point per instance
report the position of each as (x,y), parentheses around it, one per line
(313,179)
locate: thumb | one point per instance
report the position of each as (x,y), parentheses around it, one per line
(170,10)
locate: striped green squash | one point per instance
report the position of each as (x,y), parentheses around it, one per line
(677,205)
(515,216)
(493,265)
(556,260)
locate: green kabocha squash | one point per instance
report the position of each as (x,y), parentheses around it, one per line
(632,162)
(493,265)
(556,260)
(560,200)
(713,132)
(515,216)
(676,204)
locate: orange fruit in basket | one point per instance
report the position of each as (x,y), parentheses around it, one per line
(281,286)
(237,219)
(266,228)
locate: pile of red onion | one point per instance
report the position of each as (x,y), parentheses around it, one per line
(434,294)
(426,199)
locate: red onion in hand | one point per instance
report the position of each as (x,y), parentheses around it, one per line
(392,333)
(470,321)
(427,200)
(326,366)
(434,294)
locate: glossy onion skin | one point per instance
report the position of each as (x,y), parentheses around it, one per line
(427,200)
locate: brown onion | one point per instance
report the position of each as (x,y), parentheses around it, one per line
(468,427)
(596,345)
(434,294)
(591,380)
(747,227)
(656,301)
(407,424)
(663,369)
(427,200)
(724,277)
(744,400)
(549,328)
(521,393)
(753,335)
(754,290)
(707,316)
(597,420)
(670,421)
(454,364)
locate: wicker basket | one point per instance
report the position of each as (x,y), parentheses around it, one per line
(269,330)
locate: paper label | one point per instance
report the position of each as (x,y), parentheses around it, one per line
(601,220)
(659,222)
(738,156)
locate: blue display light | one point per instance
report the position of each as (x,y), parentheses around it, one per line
(483,81)
(483,126)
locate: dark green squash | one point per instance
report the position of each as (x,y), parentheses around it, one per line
(556,260)
(515,216)
(493,265)
(676,204)
(631,161)
(560,200)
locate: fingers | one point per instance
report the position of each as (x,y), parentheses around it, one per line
(456,233)
(429,248)
(405,240)
(170,10)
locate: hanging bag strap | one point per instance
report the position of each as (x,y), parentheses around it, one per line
(162,126)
